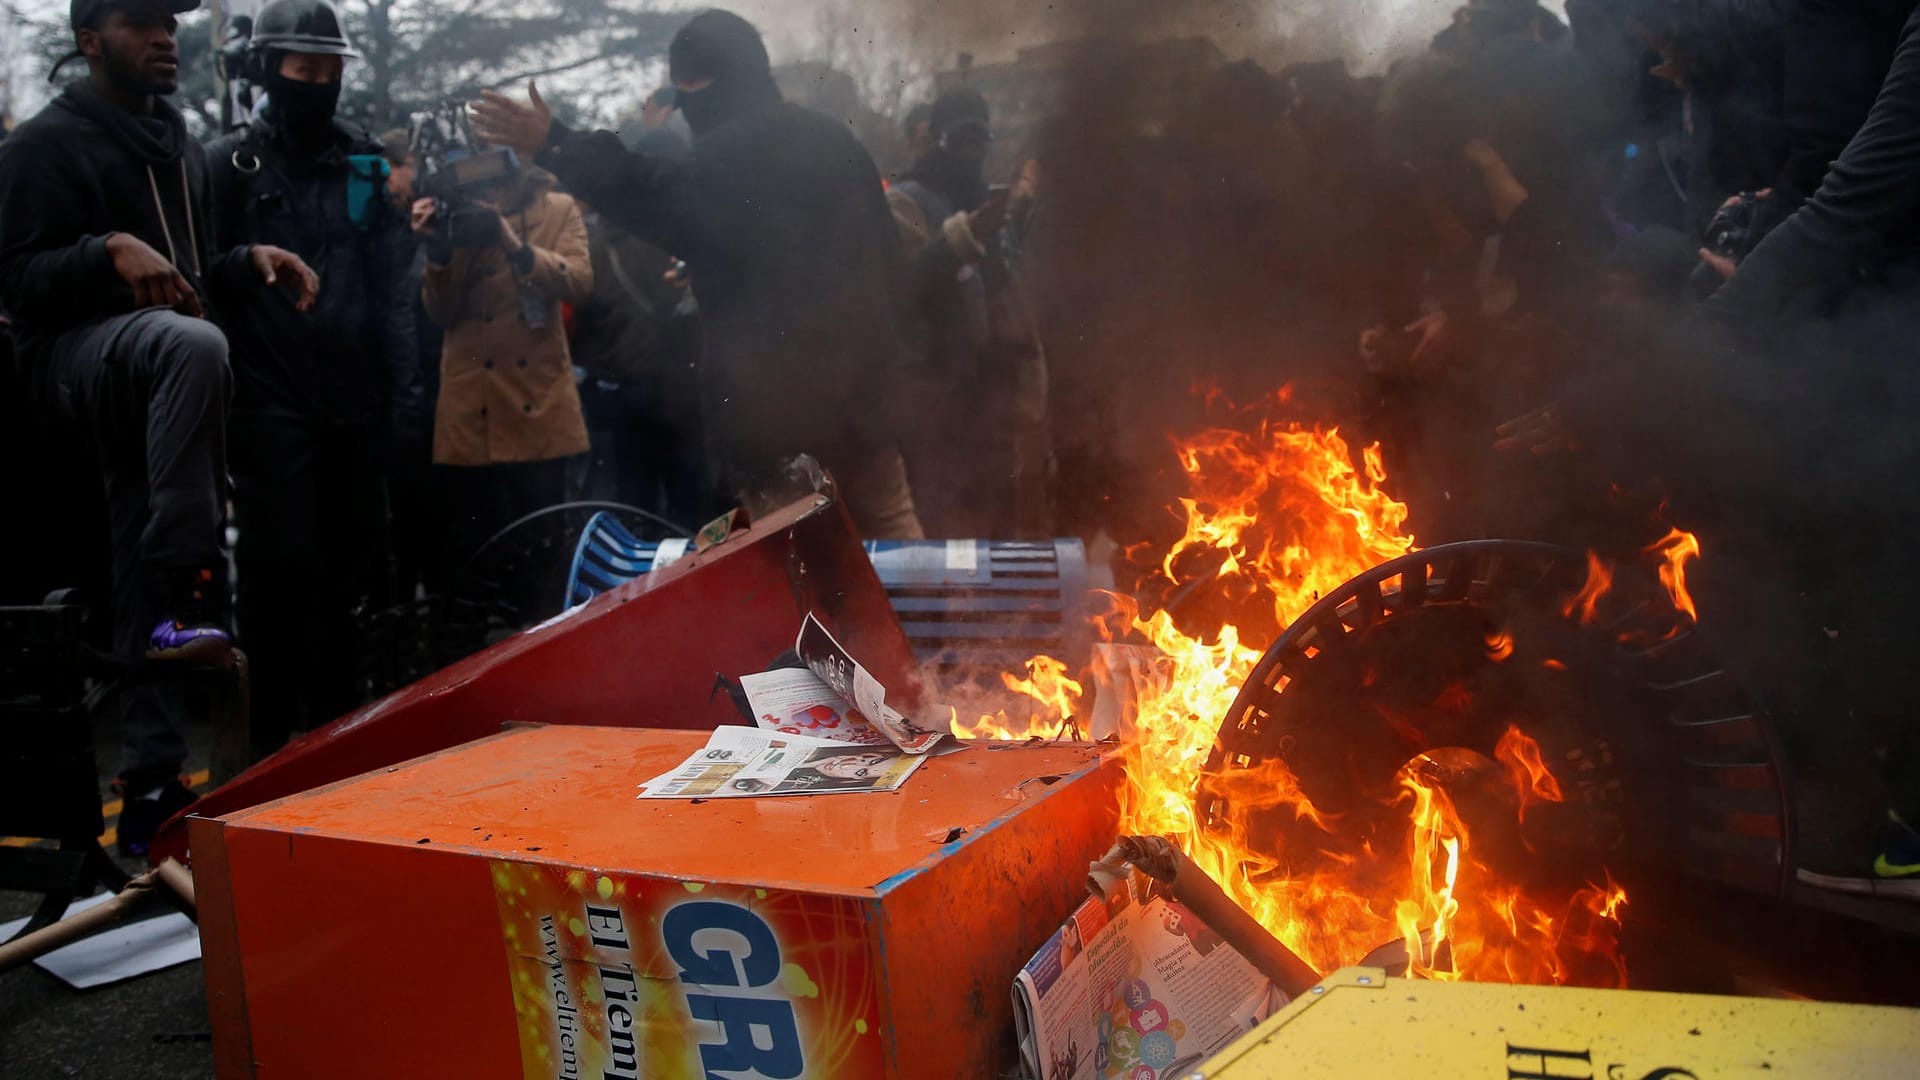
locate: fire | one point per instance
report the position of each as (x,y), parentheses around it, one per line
(1049,685)
(1674,551)
(1587,600)
(1278,515)
(1425,919)
(1531,780)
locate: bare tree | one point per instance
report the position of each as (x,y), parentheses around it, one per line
(418,52)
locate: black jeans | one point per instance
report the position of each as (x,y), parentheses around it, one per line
(149,390)
(310,503)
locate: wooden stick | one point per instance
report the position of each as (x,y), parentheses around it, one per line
(1158,858)
(95,919)
(179,879)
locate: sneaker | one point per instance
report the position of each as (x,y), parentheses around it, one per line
(144,808)
(196,642)
(197,631)
(1896,867)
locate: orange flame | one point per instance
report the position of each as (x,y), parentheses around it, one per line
(1674,551)
(1587,600)
(1521,755)
(1284,514)
(1049,685)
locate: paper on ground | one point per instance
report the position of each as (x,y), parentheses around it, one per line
(740,762)
(122,952)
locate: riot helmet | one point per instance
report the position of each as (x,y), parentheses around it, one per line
(307,26)
(299,105)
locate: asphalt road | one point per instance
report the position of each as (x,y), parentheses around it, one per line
(150,1028)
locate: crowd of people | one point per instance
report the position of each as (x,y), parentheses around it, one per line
(1658,246)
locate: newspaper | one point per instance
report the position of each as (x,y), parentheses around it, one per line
(1133,987)
(793,701)
(820,652)
(739,762)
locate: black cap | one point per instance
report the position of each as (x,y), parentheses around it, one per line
(84,13)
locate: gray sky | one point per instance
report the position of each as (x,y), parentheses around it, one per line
(1368,33)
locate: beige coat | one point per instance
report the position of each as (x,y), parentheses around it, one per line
(506,388)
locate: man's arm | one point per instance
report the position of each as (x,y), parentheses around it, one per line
(654,198)
(1812,259)
(1835,61)
(52,273)
(647,195)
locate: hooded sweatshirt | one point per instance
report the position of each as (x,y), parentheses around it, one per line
(79,171)
(780,214)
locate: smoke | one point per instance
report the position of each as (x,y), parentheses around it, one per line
(1367,33)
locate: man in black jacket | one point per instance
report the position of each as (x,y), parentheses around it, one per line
(980,455)
(316,392)
(781,217)
(108,271)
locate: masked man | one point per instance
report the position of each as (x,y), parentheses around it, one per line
(109,270)
(319,392)
(780,216)
(982,458)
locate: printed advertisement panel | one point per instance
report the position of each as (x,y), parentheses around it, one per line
(617,976)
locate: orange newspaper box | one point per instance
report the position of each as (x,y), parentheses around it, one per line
(509,908)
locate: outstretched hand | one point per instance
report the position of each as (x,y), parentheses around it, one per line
(502,121)
(278,266)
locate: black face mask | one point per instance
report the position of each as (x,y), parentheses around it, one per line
(302,108)
(724,99)
(700,107)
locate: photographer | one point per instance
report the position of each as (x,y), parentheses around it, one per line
(318,394)
(501,259)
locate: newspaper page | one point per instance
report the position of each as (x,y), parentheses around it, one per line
(825,656)
(1133,987)
(739,762)
(793,701)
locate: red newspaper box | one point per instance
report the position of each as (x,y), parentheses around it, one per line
(667,639)
(509,909)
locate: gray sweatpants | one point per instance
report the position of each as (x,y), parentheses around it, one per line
(150,392)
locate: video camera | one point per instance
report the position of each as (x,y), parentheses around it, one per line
(455,171)
(1736,228)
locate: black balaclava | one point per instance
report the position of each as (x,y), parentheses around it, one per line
(302,110)
(959,118)
(724,47)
